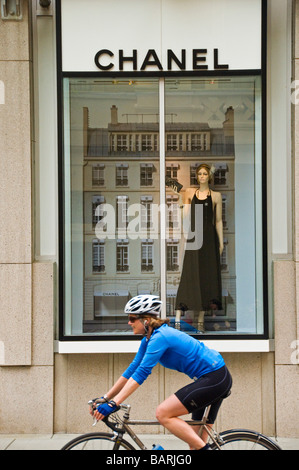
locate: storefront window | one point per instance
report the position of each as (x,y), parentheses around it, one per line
(111,167)
(216,122)
(116,236)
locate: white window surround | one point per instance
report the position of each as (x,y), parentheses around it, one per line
(109,347)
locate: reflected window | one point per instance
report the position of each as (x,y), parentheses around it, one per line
(122,256)
(98,251)
(98,175)
(122,175)
(147,256)
(111,143)
(146,174)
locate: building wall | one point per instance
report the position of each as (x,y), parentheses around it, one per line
(81,377)
(53,389)
(286,288)
(26,287)
(286,344)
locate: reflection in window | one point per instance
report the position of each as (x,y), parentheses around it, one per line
(172,143)
(172,255)
(146,142)
(223,259)
(98,175)
(112,130)
(193,177)
(147,255)
(198,142)
(97,210)
(122,256)
(121,143)
(172,171)
(111,164)
(146,174)
(220,127)
(146,212)
(173,212)
(121,212)
(98,250)
(121,175)
(220,174)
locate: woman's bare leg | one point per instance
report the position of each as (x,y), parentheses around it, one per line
(168,413)
(204,436)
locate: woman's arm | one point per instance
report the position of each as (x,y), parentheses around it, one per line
(126,391)
(130,387)
(123,379)
(117,387)
(155,349)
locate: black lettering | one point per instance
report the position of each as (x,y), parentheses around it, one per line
(123,59)
(155,62)
(197,58)
(151,59)
(172,57)
(97,59)
(218,66)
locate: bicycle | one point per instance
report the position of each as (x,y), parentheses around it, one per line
(234,439)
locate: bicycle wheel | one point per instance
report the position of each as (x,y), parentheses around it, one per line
(241,439)
(97,441)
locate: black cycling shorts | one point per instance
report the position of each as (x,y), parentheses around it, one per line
(210,389)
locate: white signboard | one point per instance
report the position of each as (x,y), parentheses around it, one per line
(160,35)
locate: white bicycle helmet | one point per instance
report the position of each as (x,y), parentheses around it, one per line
(142,304)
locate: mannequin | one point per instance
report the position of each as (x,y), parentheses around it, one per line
(201,277)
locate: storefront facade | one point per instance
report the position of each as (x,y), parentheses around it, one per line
(134,119)
(118,104)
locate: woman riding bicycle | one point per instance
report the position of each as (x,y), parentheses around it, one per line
(178,351)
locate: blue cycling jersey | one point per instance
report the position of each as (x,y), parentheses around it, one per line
(175,350)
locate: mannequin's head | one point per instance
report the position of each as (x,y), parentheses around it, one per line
(204,168)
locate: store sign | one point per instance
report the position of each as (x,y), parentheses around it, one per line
(156,35)
(199,59)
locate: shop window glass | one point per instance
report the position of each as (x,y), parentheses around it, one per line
(219,123)
(110,154)
(113,246)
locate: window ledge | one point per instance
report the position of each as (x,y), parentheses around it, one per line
(106,347)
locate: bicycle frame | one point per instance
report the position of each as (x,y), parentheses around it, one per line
(119,431)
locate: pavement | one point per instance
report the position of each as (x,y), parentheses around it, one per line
(56,441)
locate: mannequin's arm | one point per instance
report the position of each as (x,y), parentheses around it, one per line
(219,223)
(185,197)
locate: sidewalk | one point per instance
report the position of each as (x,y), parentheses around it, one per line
(56,441)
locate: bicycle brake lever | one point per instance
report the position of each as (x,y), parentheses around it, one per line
(91,403)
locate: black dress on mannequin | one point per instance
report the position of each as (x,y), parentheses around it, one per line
(201,275)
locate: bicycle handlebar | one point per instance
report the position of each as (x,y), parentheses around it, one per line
(95,401)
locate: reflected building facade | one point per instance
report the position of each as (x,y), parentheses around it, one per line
(121,170)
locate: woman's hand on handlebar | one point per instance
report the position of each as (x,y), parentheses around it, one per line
(94,403)
(105,409)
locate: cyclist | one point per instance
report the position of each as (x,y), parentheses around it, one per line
(178,351)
